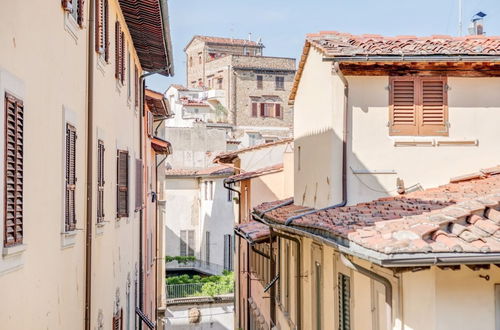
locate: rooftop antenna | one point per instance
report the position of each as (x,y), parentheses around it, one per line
(476,26)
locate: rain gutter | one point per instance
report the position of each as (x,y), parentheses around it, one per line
(414,58)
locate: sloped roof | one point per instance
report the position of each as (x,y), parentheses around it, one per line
(253,231)
(460,217)
(225,41)
(209,171)
(157,104)
(148,23)
(253,174)
(227,157)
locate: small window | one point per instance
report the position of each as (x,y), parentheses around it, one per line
(102,29)
(13,171)
(219,83)
(260,81)
(418,106)
(187,243)
(75,9)
(136,86)
(255,112)
(228,252)
(70,215)
(122,187)
(100,181)
(280,82)
(119,53)
(129,85)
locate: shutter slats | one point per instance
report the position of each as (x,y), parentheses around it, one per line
(122,184)
(70,213)
(433,115)
(100,181)
(117,50)
(139,170)
(13,172)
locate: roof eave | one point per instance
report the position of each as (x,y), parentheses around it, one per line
(413,58)
(167,40)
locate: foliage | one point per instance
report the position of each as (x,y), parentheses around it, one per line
(209,285)
(180,259)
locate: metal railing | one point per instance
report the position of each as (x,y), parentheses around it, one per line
(196,289)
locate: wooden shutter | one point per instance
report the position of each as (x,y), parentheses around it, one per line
(67,5)
(254,109)
(122,184)
(70,216)
(100,181)
(262,109)
(139,185)
(136,86)
(118,320)
(150,119)
(118,43)
(433,109)
(403,109)
(98,26)
(277,110)
(13,171)
(80,12)
(122,57)
(344,302)
(183,243)
(106,30)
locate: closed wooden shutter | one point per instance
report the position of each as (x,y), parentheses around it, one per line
(122,57)
(100,181)
(344,302)
(139,185)
(122,184)
(183,243)
(277,110)
(433,112)
(254,109)
(118,320)
(80,12)
(98,27)
(136,86)
(13,190)
(106,30)
(150,119)
(70,213)
(118,61)
(262,109)
(228,253)
(403,109)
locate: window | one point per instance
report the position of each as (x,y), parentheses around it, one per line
(118,320)
(129,85)
(100,181)
(102,29)
(255,106)
(136,86)
(190,61)
(299,160)
(122,184)
(219,83)
(317,287)
(207,247)
(13,171)
(70,216)
(139,185)
(266,109)
(259,81)
(418,106)
(344,302)
(199,58)
(187,243)
(209,190)
(280,82)
(75,9)
(228,252)
(119,53)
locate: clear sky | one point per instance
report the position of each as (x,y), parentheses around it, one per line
(283,24)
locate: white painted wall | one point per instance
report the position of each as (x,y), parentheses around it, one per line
(213,317)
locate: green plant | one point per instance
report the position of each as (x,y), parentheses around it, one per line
(180,259)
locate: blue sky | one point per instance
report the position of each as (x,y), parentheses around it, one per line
(283,24)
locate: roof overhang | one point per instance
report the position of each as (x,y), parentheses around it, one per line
(148,23)
(161,146)
(157,104)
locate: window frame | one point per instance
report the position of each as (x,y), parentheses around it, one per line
(279,83)
(100,180)
(70,179)
(122,186)
(260,81)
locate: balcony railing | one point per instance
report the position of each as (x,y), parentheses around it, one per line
(198,265)
(197,290)
(215,94)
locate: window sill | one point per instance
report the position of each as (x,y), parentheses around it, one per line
(71,26)
(433,142)
(68,239)
(99,228)
(11,251)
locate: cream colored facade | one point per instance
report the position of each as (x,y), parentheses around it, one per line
(43,62)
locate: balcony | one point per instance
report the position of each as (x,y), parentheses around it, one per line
(215,94)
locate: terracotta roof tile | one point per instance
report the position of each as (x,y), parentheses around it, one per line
(256,173)
(462,216)
(228,41)
(226,157)
(253,230)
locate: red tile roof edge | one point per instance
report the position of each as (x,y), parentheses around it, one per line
(253,231)
(253,174)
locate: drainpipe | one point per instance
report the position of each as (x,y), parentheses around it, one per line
(374,276)
(298,305)
(228,187)
(90,143)
(289,221)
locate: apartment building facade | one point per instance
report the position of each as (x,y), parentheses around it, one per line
(377,234)
(254,88)
(72,142)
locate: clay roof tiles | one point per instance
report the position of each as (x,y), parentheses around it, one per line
(227,157)
(253,174)
(462,216)
(254,231)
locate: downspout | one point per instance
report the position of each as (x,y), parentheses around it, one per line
(298,264)
(289,221)
(228,187)
(90,136)
(374,276)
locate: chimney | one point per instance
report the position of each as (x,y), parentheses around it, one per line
(476,26)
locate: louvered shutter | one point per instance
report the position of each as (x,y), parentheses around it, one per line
(80,12)
(262,109)
(183,245)
(254,109)
(139,186)
(403,109)
(122,57)
(98,26)
(70,213)
(13,190)
(67,5)
(118,43)
(136,86)
(277,110)
(150,123)
(122,184)
(106,30)
(433,109)
(344,302)
(100,181)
